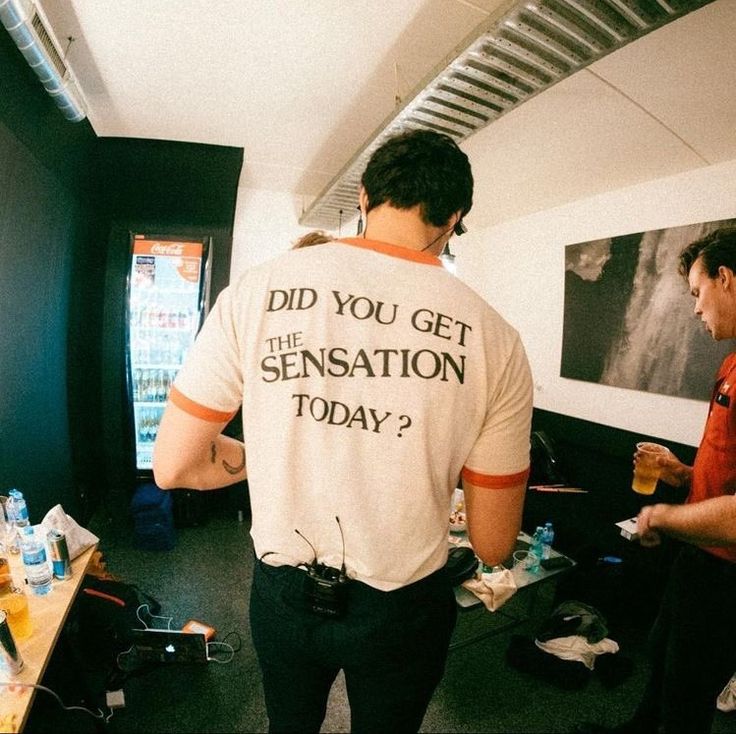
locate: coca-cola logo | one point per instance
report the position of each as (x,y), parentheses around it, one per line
(174,248)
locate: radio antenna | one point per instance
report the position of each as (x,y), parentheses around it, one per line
(308,543)
(342,568)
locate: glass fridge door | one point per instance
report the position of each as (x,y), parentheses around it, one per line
(168,289)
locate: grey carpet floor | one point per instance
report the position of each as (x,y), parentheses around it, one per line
(207,577)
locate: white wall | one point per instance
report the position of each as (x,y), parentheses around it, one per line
(519,267)
(267,224)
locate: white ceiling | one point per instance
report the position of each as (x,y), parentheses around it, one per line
(301,85)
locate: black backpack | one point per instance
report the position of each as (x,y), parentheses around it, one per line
(99,626)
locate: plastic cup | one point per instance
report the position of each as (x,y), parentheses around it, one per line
(646,469)
(15,605)
(521,559)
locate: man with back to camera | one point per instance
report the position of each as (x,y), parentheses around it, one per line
(370,380)
(692,646)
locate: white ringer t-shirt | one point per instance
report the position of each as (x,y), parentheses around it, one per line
(370,378)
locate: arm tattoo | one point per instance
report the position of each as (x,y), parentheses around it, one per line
(213,452)
(230,469)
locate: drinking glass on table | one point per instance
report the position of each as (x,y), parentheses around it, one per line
(646,466)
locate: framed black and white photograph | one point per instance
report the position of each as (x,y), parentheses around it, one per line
(629,317)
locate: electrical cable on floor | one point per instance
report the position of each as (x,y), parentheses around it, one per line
(152,616)
(239,643)
(98,715)
(214,659)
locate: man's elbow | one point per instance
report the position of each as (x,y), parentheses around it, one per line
(494,556)
(493,549)
(164,478)
(166,473)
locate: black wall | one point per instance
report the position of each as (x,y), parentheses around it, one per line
(160,188)
(48,216)
(67,201)
(599,459)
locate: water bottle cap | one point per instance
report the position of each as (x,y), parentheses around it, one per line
(14,493)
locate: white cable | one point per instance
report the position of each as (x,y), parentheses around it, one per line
(221,644)
(124,652)
(169,620)
(98,715)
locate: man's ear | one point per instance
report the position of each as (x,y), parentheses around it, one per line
(363,200)
(726,277)
(455,218)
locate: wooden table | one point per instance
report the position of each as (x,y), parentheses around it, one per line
(48,614)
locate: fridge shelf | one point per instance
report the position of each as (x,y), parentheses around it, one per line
(159,366)
(161,327)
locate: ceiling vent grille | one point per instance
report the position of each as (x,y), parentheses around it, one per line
(47,44)
(28,30)
(523,51)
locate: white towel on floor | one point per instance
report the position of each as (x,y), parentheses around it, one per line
(576,647)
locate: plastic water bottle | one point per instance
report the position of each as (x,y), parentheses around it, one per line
(17,511)
(548,539)
(35,562)
(536,550)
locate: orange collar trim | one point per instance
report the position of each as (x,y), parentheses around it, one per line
(392,250)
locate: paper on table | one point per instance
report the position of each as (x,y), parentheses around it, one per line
(78,539)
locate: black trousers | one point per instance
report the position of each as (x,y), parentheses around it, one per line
(692,644)
(392,647)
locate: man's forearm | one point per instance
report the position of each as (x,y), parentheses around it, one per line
(710,522)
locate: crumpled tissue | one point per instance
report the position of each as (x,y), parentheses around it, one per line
(78,539)
(493,589)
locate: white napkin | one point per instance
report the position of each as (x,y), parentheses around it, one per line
(493,589)
(78,539)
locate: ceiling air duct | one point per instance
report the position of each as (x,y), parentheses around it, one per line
(28,30)
(525,48)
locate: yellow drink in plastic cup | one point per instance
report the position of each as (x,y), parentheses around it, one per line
(15,604)
(646,469)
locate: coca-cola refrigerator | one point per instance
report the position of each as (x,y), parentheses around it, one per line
(167,301)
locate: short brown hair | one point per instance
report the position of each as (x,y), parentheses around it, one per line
(318,237)
(715,249)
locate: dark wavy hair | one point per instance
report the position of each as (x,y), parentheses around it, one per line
(716,249)
(420,167)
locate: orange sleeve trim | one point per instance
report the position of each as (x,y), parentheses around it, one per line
(495,481)
(197,410)
(394,250)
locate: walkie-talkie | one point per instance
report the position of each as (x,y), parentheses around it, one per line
(325,587)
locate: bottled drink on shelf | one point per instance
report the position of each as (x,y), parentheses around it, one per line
(536,550)
(548,539)
(160,387)
(147,386)
(35,562)
(137,385)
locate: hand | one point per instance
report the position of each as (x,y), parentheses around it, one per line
(672,470)
(648,536)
